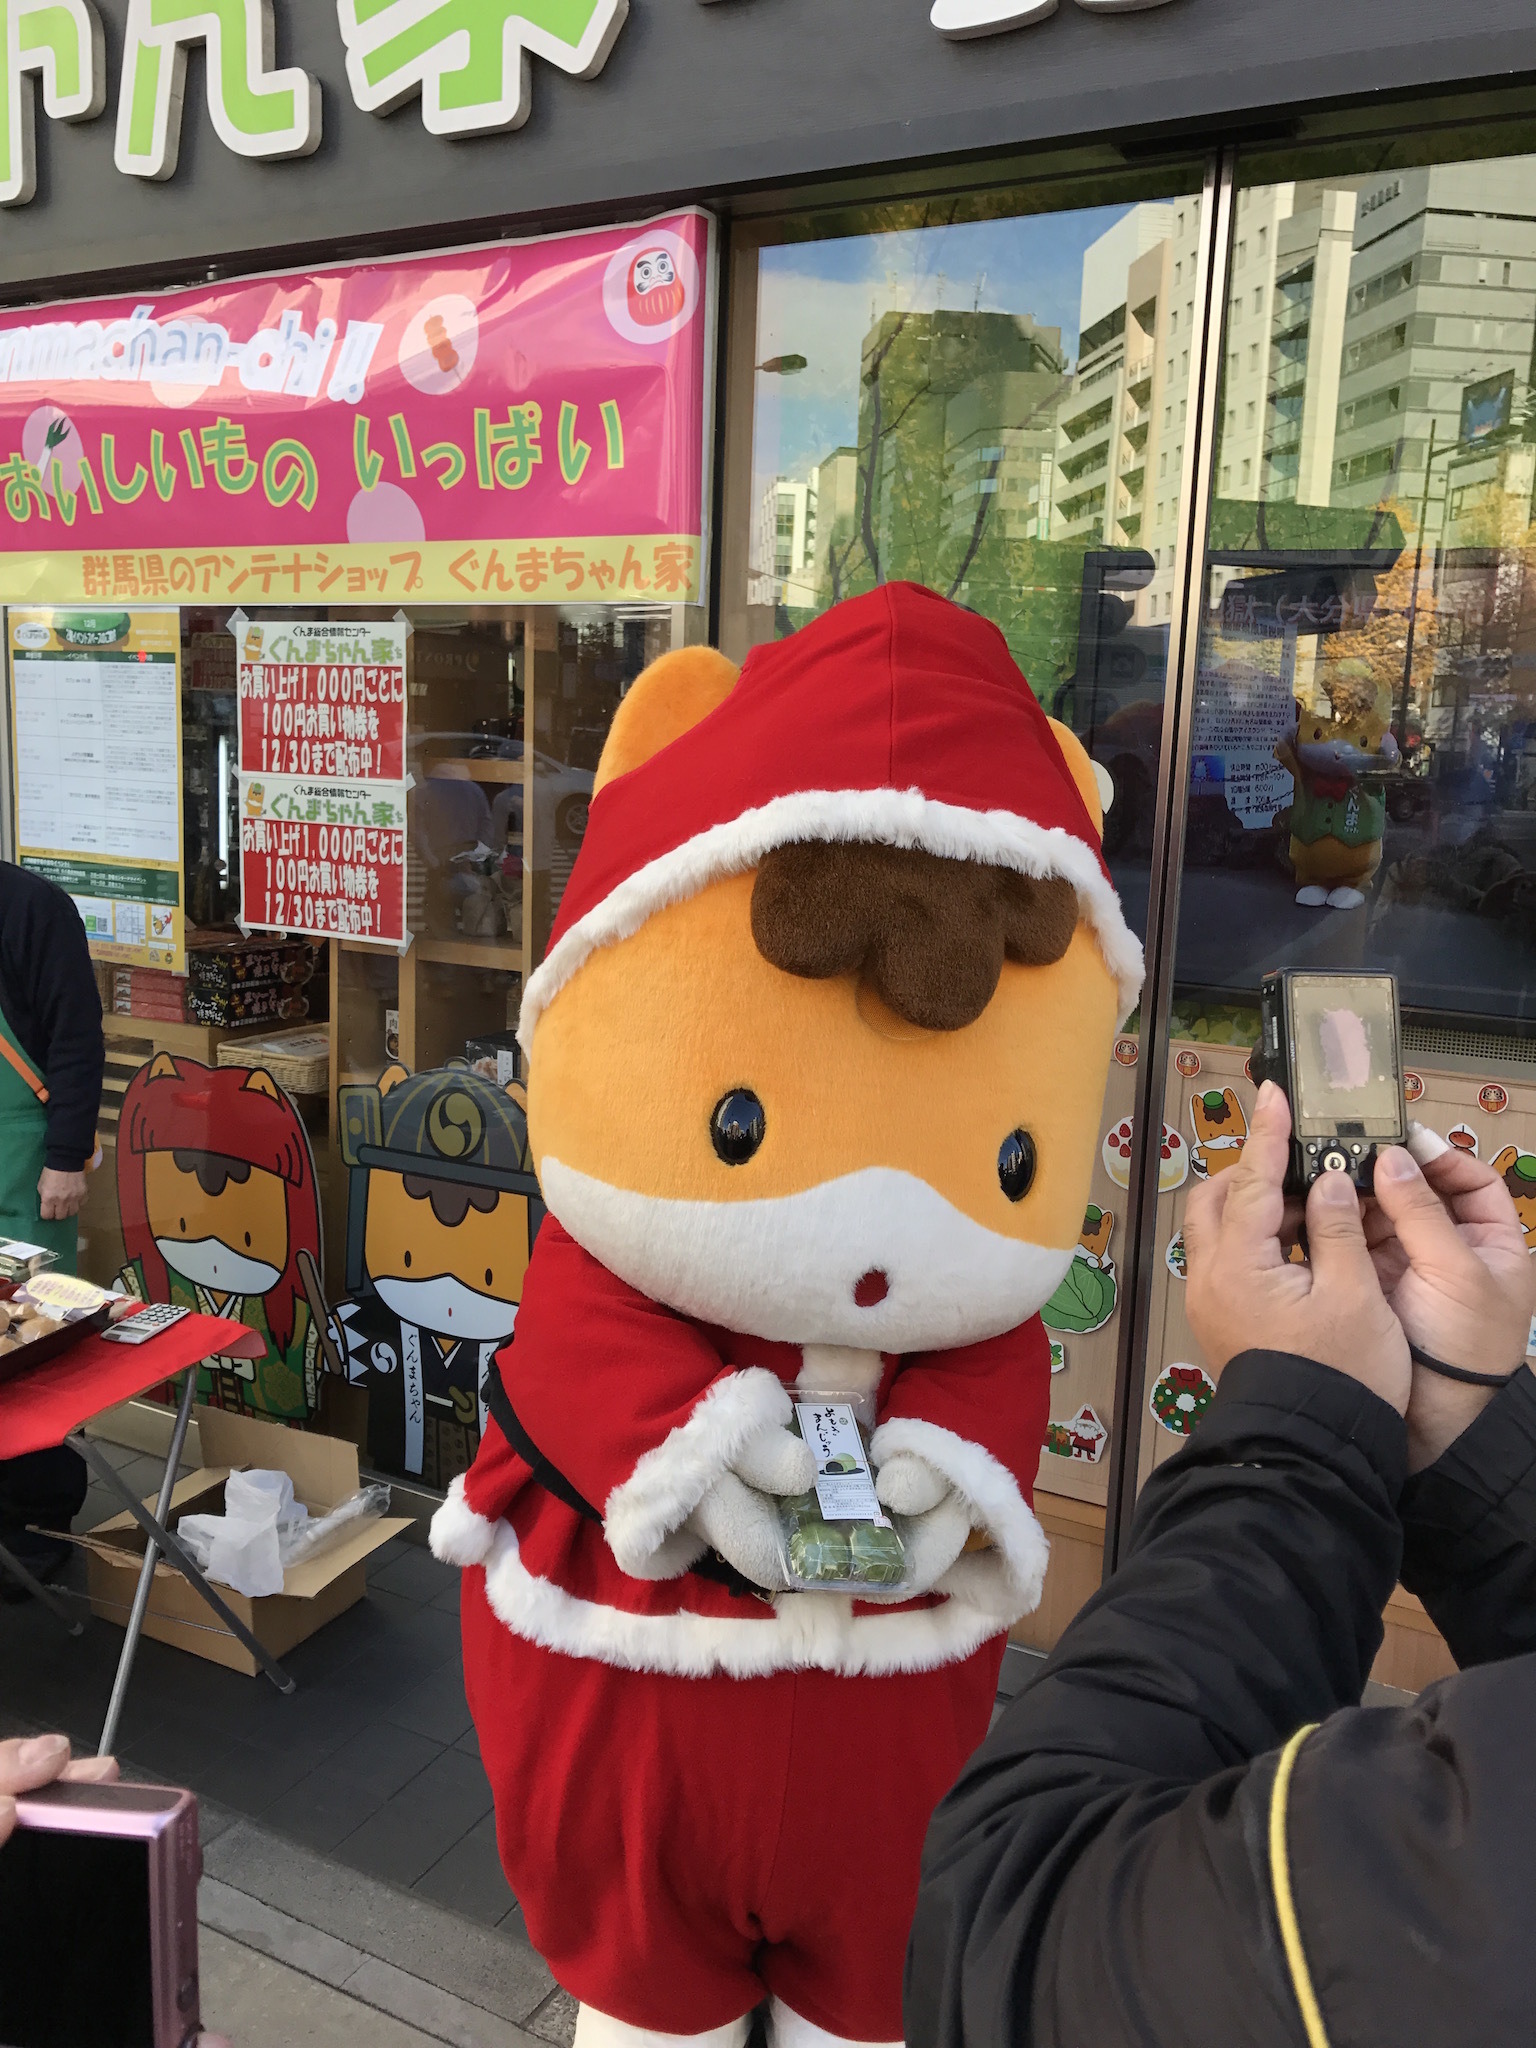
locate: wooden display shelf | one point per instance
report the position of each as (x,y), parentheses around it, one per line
(196,1041)
(506,954)
(468,769)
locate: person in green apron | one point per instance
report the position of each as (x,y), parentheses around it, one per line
(52,1057)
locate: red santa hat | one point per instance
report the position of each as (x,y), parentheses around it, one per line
(897,718)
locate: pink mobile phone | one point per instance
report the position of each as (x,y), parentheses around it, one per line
(98,1919)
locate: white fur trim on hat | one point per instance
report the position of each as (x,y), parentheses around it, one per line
(459,1535)
(884,817)
(669,1482)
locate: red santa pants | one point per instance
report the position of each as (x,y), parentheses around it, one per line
(683,1846)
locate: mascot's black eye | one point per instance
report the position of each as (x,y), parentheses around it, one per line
(738,1126)
(1016,1165)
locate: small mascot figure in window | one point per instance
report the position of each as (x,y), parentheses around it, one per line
(442,1207)
(818,1052)
(1338,815)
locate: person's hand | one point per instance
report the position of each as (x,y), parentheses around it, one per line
(1244,1295)
(29,1763)
(60,1195)
(1452,1260)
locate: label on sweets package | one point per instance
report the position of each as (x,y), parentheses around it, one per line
(845,1486)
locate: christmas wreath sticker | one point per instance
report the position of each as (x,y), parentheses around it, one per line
(1081,1437)
(1180,1396)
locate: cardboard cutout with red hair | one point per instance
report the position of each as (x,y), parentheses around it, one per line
(216,1189)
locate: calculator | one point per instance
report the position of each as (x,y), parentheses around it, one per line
(149,1322)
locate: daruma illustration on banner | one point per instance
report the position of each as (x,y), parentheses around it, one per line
(651,288)
(523,421)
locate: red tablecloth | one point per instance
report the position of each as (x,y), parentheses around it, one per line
(39,1409)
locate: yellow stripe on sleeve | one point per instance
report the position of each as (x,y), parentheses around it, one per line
(1285,1904)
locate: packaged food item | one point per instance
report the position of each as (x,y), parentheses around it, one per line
(53,1307)
(19,1260)
(838,1538)
(62,1297)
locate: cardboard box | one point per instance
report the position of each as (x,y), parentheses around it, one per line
(323,1471)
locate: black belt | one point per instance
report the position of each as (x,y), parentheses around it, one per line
(710,1566)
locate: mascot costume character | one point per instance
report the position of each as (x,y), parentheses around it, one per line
(817,1063)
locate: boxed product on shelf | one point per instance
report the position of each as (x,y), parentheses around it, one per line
(152,993)
(279,1005)
(218,964)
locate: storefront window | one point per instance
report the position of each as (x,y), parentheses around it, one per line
(1362,787)
(506,711)
(992,395)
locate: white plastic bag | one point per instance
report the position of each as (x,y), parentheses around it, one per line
(264,1529)
(242,1548)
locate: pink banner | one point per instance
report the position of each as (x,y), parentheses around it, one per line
(521,423)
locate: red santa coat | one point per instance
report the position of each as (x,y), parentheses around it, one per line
(658,1818)
(642,1410)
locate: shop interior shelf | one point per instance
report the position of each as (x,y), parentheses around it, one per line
(505,953)
(196,1041)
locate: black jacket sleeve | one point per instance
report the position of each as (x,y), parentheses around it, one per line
(1100,1867)
(48,990)
(1469,1529)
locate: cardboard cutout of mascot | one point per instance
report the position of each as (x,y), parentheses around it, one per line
(818,1054)
(216,1188)
(442,1209)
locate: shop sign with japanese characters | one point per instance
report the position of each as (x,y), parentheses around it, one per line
(522,423)
(324,858)
(322,698)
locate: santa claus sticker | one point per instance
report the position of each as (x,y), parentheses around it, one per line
(652,288)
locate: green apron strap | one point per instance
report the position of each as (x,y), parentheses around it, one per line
(24,1152)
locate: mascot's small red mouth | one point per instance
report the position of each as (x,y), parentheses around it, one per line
(871,1289)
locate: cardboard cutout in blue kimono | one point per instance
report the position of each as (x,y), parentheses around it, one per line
(442,1210)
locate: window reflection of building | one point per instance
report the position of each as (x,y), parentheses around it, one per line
(957,427)
(1113,454)
(1442,294)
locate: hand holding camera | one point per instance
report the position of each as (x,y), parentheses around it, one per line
(1451,1258)
(1245,1295)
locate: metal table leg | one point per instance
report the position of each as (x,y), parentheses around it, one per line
(178,1554)
(14,1567)
(147,1574)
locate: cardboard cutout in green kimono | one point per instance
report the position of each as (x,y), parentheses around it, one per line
(216,1186)
(442,1210)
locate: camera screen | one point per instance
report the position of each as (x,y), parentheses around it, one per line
(1345,1068)
(75,1963)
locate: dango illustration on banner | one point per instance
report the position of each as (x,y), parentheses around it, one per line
(373,432)
(442,1211)
(216,1189)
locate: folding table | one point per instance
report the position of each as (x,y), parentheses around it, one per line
(52,1405)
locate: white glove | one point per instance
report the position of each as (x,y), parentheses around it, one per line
(738,1518)
(909,1485)
(776,1461)
(938,1521)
